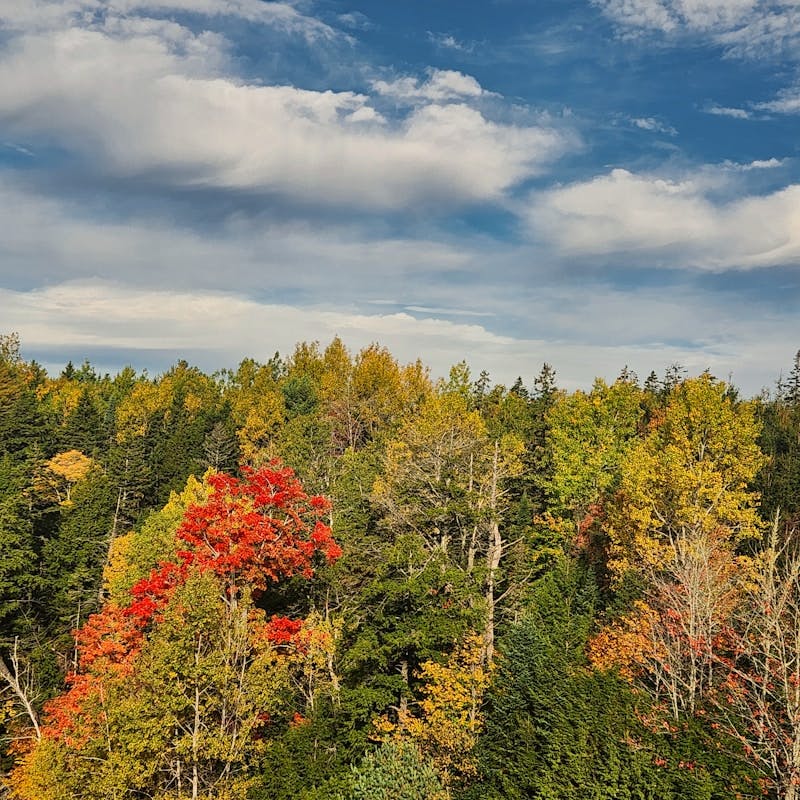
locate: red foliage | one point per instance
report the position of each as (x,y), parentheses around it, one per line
(282,630)
(260,530)
(253,531)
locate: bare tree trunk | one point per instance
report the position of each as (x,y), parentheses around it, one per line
(121,496)
(196,729)
(22,689)
(494,552)
(404,697)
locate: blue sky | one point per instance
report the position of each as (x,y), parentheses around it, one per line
(592,183)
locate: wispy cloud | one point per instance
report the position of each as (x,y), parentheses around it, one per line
(355,20)
(767,163)
(48,14)
(743,28)
(726,111)
(446,41)
(448,312)
(654,125)
(787,102)
(18,148)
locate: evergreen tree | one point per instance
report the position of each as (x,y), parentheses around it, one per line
(74,558)
(395,771)
(556,730)
(83,428)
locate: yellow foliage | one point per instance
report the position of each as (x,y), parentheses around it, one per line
(72,466)
(62,395)
(688,477)
(258,411)
(136,409)
(115,572)
(445,724)
(60,474)
(263,418)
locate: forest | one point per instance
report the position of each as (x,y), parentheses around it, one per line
(331,576)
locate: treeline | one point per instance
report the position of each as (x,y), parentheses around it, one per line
(329,576)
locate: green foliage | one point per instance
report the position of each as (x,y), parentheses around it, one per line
(75,556)
(19,578)
(21,422)
(589,435)
(418,493)
(308,760)
(779,480)
(299,395)
(83,428)
(395,771)
(557,730)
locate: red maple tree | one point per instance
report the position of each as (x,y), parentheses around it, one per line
(251,532)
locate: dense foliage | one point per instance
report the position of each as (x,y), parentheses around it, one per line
(329,576)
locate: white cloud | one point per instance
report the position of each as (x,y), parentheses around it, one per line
(653,125)
(28,15)
(73,320)
(744,28)
(86,315)
(442,85)
(669,222)
(787,102)
(145,97)
(726,111)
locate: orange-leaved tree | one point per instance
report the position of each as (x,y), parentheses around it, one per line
(182,678)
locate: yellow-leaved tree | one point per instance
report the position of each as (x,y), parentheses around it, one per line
(445,723)
(682,507)
(60,474)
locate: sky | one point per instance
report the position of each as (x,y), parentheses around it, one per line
(589,183)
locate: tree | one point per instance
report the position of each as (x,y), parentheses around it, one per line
(19,573)
(556,729)
(588,438)
(779,480)
(21,424)
(74,557)
(444,725)
(690,476)
(178,685)
(682,508)
(791,389)
(83,427)
(220,448)
(758,699)
(443,482)
(395,771)
(60,474)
